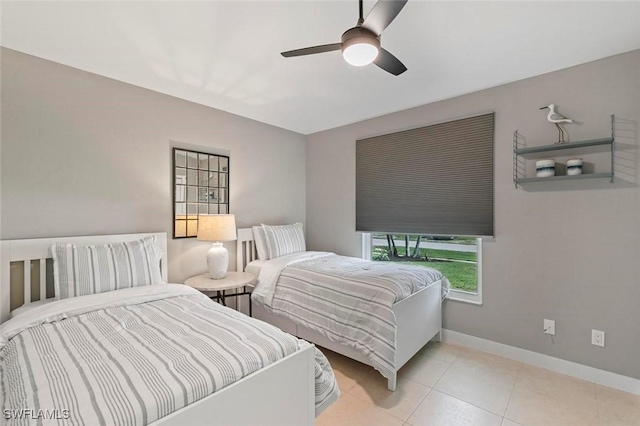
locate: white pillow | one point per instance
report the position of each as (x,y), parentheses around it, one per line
(285,239)
(261,242)
(81,270)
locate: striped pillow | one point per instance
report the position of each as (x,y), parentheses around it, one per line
(285,239)
(260,241)
(81,270)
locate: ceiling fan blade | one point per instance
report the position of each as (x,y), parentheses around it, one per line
(382,14)
(389,63)
(312,50)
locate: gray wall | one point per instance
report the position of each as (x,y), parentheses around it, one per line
(565,252)
(82,154)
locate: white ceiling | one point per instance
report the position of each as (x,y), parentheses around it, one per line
(226,54)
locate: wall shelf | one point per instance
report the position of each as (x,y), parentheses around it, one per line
(518,174)
(558,147)
(564,177)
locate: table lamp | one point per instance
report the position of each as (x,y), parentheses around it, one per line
(217,227)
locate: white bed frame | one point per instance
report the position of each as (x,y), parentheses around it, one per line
(282,393)
(418,317)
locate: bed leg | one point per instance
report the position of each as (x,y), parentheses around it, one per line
(391,383)
(438,337)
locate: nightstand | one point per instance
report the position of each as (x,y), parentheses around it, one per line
(233,281)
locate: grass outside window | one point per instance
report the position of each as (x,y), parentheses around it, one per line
(456,258)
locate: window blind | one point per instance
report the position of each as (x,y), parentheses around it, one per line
(433,180)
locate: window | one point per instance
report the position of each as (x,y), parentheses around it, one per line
(426,181)
(201,186)
(458,258)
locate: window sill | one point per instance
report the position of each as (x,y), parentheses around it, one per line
(465,297)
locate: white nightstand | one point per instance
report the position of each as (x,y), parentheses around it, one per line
(233,281)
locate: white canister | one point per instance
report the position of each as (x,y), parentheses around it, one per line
(574,167)
(545,168)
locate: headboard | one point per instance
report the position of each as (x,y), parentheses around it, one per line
(245,248)
(34,256)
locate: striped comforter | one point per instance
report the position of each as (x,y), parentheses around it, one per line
(345,299)
(132,356)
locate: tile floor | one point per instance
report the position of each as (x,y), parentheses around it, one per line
(450,385)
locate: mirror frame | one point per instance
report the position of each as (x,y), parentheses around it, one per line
(175,186)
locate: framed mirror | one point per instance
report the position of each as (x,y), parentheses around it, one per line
(200,186)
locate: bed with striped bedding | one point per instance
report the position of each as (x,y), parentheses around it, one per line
(347,300)
(133,356)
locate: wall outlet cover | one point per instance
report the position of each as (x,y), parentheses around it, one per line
(597,338)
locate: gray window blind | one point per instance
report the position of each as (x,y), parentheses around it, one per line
(434,180)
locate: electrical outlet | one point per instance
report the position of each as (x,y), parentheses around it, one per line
(597,338)
(549,326)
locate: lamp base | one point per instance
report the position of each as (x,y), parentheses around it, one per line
(217,261)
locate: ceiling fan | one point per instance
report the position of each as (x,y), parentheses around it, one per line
(361,44)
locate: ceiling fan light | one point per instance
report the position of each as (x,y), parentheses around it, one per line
(360,54)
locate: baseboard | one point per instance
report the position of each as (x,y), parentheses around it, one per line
(601,377)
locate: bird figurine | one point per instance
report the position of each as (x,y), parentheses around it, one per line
(557,119)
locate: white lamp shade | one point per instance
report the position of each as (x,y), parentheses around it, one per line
(217,227)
